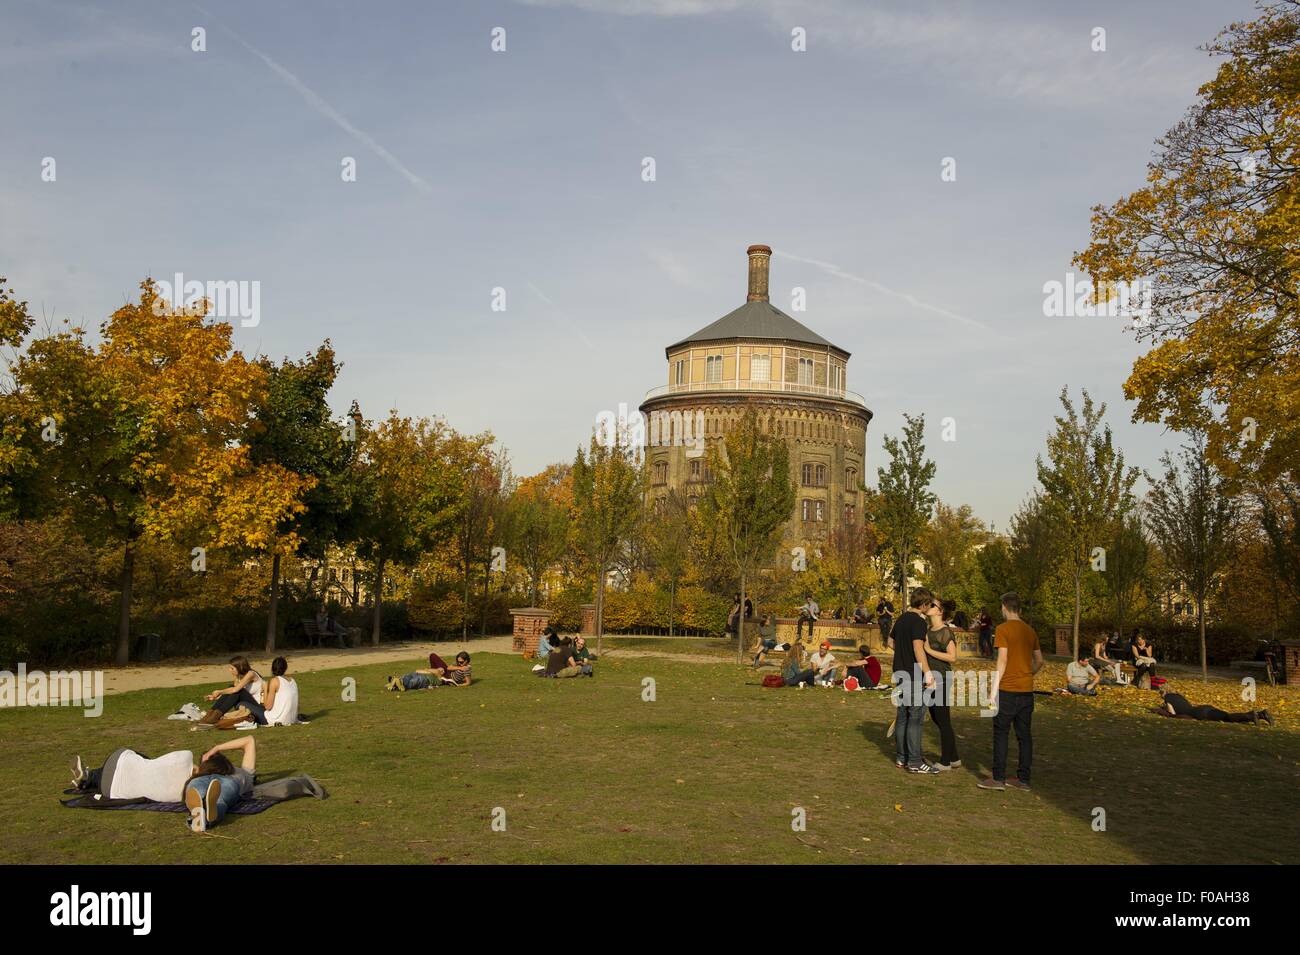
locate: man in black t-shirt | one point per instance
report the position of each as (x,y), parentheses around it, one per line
(1175,704)
(911,676)
(884,620)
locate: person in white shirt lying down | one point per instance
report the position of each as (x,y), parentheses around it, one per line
(208,789)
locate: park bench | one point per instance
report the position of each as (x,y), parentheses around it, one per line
(316,638)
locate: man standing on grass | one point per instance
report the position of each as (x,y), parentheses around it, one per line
(1019,658)
(911,674)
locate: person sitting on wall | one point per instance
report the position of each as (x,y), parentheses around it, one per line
(767,640)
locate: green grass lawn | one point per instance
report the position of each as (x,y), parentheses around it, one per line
(708,772)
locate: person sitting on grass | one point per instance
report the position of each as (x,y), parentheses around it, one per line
(217,784)
(280,698)
(582,656)
(865,669)
(562,664)
(1081,677)
(767,640)
(1175,704)
(794,673)
(823,665)
(245,690)
(427,678)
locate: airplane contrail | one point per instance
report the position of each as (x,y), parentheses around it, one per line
(872,283)
(315,101)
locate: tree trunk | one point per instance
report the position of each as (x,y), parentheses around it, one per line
(536,582)
(672,598)
(1200,625)
(740,623)
(464,607)
(124,608)
(1078,606)
(379,601)
(482,620)
(600,608)
(274,604)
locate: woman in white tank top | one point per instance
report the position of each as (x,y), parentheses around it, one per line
(281,698)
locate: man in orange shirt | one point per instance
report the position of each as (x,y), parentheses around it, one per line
(1019,658)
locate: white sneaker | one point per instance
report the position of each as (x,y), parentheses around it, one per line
(246,725)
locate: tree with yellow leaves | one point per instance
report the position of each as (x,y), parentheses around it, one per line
(1216,233)
(140,436)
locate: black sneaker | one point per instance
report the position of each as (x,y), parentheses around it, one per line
(925,769)
(1266,716)
(1017,784)
(995,784)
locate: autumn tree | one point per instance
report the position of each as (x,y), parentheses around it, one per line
(540,506)
(1195,520)
(294,428)
(948,542)
(1086,489)
(901,504)
(608,491)
(1216,233)
(667,526)
(408,492)
(1031,555)
(142,436)
(1128,553)
(750,499)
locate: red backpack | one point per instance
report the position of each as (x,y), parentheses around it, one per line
(773,679)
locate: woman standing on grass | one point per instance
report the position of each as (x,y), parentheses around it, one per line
(941,648)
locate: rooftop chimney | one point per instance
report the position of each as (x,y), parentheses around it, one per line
(758,259)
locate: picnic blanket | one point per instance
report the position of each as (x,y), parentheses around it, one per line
(264,796)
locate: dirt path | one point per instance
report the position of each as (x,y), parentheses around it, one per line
(214,669)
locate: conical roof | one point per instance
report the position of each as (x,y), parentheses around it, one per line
(757,320)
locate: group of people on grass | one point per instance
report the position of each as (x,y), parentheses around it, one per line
(272,702)
(562,658)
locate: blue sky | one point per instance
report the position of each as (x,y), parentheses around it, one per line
(522,170)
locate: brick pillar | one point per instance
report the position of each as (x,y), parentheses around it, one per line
(1290,662)
(529,624)
(588,620)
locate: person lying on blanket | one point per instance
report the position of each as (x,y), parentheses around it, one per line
(217,784)
(459,674)
(208,789)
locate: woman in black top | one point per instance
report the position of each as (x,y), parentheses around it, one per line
(1144,660)
(941,648)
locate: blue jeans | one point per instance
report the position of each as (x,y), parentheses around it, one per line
(1081,690)
(418,681)
(229,793)
(909,722)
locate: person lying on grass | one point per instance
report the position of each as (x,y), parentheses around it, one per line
(458,674)
(245,690)
(218,784)
(128,774)
(1175,704)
